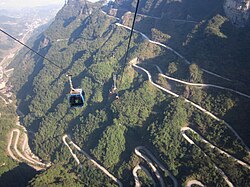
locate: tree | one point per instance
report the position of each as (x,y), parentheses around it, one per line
(172,68)
(111,145)
(195,73)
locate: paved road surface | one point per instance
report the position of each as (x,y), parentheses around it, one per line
(171,49)
(193,104)
(92,160)
(9,149)
(150,163)
(194,182)
(184,129)
(33,163)
(201,85)
(137,152)
(229,183)
(137,181)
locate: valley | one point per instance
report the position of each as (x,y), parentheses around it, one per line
(180,120)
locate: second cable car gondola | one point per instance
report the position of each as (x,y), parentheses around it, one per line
(76,96)
(113,90)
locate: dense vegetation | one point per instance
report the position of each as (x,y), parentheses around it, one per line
(92,48)
(10,169)
(7,121)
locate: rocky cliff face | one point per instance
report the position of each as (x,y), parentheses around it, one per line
(238,11)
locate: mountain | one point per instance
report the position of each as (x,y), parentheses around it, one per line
(20,23)
(188,123)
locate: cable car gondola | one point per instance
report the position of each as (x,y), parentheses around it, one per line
(76,96)
(113,90)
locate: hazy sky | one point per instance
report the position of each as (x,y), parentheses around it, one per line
(29,3)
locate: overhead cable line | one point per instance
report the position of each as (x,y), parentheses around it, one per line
(29,48)
(130,37)
(131,32)
(4,32)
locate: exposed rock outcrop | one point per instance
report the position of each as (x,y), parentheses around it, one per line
(238,11)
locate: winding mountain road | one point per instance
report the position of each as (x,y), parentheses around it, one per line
(229,183)
(194,182)
(9,148)
(31,162)
(71,151)
(137,181)
(104,170)
(184,129)
(192,103)
(138,153)
(171,49)
(201,85)
(150,163)
(110,15)
(29,159)
(27,152)
(176,95)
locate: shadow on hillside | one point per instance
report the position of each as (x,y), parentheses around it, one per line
(19,176)
(76,33)
(68,21)
(27,88)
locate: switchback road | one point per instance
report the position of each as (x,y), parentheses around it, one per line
(138,153)
(229,183)
(104,170)
(192,103)
(201,85)
(137,181)
(171,49)
(36,164)
(184,129)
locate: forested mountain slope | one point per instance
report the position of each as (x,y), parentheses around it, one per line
(190,40)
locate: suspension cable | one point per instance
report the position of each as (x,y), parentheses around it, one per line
(132,30)
(70,82)
(29,48)
(130,38)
